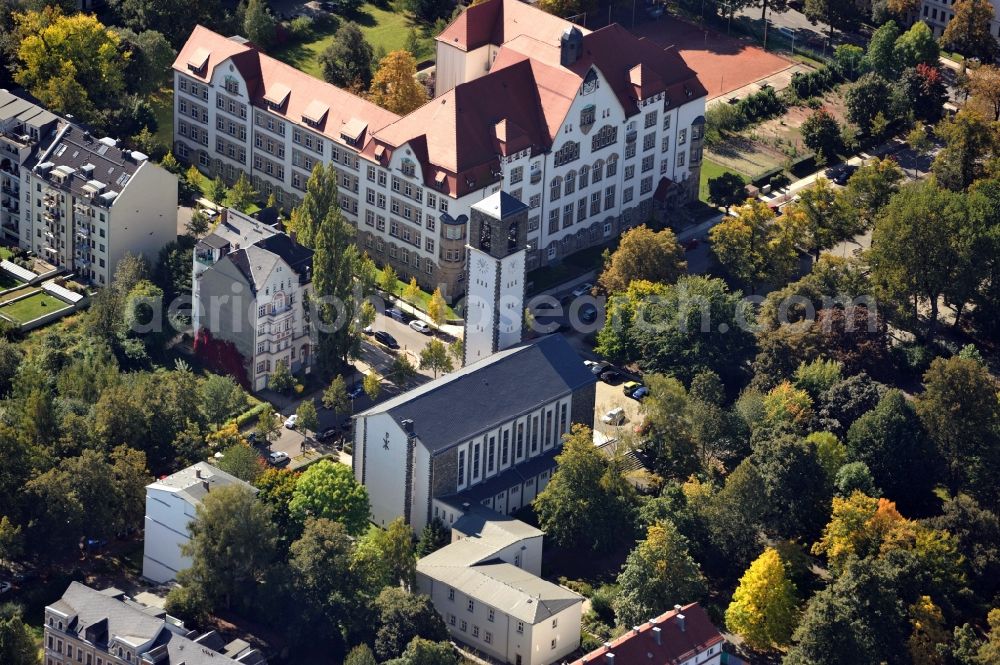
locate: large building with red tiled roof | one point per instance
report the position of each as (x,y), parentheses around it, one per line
(589,129)
(683,636)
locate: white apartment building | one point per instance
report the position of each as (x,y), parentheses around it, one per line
(24,128)
(251,286)
(938,13)
(79,202)
(487,588)
(587,128)
(171,505)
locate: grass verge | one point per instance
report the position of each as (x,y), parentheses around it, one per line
(709,170)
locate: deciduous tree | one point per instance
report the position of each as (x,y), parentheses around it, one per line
(259,24)
(435,357)
(587,503)
(764,607)
(643,254)
(960,411)
(821,134)
(71,63)
(232,546)
(242,461)
(347,61)
(754,246)
(308,418)
(328,489)
(657,574)
(984,84)
(17,646)
(402,617)
(437,308)
(395,87)
(242,195)
(727,190)
(968,32)
(969,140)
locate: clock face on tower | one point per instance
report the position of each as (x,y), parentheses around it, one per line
(482,265)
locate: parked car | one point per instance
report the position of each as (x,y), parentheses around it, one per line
(421,326)
(394,313)
(640,393)
(615,416)
(368,330)
(588,314)
(583,289)
(278,458)
(356,391)
(382,337)
(598,368)
(4,587)
(591,364)
(327,434)
(692,244)
(611,376)
(291,421)
(630,387)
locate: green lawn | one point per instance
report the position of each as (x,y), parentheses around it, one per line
(423,300)
(163,107)
(383,28)
(8,281)
(709,170)
(32,307)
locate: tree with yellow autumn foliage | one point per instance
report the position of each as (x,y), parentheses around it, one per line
(395,87)
(765,604)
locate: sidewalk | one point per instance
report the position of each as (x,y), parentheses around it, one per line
(403,306)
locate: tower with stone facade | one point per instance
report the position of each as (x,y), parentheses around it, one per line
(495,275)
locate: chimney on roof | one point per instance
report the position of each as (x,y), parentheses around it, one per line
(204,483)
(677,608)
(681,622)
(657,635)
(609,658)
(570,46)
(197,473)
(407,426)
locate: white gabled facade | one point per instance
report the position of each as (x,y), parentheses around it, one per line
(171,506)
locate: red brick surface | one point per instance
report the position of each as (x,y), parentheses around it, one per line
(723,63)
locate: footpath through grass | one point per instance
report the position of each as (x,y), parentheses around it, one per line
(382,27)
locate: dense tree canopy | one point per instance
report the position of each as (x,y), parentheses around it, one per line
(643,254)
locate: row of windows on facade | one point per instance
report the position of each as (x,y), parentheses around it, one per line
(401,231)
(583,178)
(551,433)
(463,625)
(400,254)
(581,209)
(56,645)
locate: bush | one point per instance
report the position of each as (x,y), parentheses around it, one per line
(914,358)
(601,603)
(300,28)
(250,415)
(760,106)
(579,586)
(806,85)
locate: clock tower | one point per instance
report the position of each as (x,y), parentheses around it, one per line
(495,278)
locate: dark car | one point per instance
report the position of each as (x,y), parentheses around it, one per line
(612,376)
(382,337)
(356,391)
(588,314)
(327,434)
(394,313)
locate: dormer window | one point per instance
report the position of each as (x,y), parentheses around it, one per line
(588,115)
(232,85)
(590,83)
(408,167)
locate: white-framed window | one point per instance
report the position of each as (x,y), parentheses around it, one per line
(520,627)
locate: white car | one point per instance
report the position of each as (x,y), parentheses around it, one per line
(582,290)
(420,326)
(4,587)
(614,416)
(278,458)
(292,421)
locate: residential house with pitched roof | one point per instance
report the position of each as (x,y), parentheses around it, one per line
(487,587)
(171,505)
(682,636)
(250,286)
(90,627)
(589,129)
